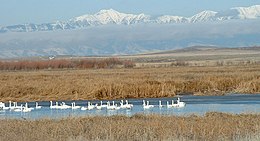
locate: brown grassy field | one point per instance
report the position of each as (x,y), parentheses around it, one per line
(207,72)
(89,84)
(201,55)
(195,70)
(212,126)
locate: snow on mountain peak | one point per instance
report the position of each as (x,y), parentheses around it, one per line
(251,12)
(171,19)
(203,16)
(107,11)
(111,16)
(103,12)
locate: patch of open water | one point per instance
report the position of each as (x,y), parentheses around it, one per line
(199,105)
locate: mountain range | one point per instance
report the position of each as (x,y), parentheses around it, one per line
(110,32)
(113,17)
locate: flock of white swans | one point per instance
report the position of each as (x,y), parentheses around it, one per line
(99,106)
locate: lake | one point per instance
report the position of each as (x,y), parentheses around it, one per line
(199,105)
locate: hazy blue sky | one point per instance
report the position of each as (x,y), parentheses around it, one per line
(38,11)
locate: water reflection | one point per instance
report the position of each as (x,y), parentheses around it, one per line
(194,105)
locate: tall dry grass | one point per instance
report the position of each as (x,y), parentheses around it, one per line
(127,83)
(64,64)
(212,126)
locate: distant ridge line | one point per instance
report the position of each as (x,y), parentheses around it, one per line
(113,17)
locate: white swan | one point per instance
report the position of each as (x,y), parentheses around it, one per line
(83,108)
(122,104)
(16,106)
(174,104)
(103,105)
(10,106)
(90,106)
(131,105)
(26,108)
(19,109)
(147,106)
(57,105)
(117,107)
(73,106)
(63,106)
(53,106)
(109,107)
(37,106)
(126,105)
(160,104)
(99,107)
(179,104)
(3,107)
(168,105)
(112,107)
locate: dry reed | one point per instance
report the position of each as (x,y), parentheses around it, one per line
(65,64)
(120,83)
(212,126)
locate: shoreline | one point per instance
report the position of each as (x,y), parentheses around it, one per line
(62,100)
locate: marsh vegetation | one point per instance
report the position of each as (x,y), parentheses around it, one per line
(212,126)
(120,83)
(143,78)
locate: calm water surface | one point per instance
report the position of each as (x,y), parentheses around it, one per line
(232,103)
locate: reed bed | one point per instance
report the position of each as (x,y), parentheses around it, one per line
(64,64)
(212,126)
(120,83)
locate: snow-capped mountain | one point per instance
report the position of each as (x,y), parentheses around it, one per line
(105,17)
(138,33)
(203,17)
(110,17)
(252,12)
(171,19)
